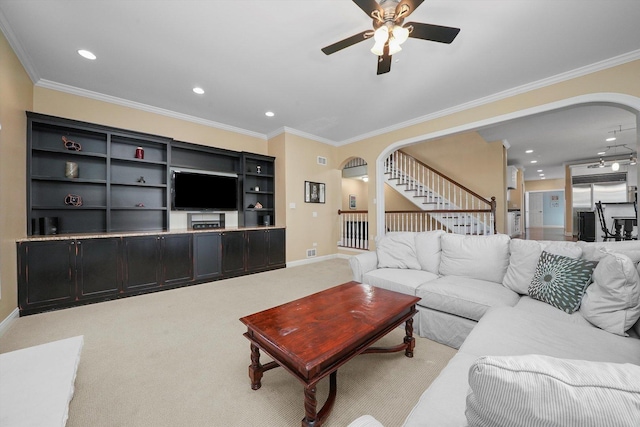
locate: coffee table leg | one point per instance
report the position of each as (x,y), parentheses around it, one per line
(313,418)
(408,339)
(255,369)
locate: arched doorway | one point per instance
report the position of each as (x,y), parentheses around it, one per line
(353,214)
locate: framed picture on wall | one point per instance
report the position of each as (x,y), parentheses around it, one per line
(314,192)
(352,201)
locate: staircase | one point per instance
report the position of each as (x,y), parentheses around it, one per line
(444,204)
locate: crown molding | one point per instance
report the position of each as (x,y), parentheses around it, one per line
(558,78)
(22,55)
(47,84)
(302,134)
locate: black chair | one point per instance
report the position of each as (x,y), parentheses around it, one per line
(603,224)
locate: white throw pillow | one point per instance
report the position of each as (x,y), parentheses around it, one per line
(594,251)
(477,257)
(537,390)
(523,260)
(428,249)
(397,250)
(612,301)
(522,264)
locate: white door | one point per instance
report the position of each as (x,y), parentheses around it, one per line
(535,210)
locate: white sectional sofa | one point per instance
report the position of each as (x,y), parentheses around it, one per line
(548,332)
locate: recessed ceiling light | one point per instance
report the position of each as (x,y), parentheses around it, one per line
(198,90)
(86,54)
(539,170)
(269,114)
(534,161)
(542,177)
(611,138)
(529,151)
(541,174)
(601,153)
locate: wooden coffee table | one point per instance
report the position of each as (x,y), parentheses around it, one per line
(313,336)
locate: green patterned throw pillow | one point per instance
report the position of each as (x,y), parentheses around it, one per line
(561,281)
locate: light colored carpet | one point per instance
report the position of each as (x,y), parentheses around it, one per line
(178,358)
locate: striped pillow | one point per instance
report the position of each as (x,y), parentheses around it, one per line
(536,390)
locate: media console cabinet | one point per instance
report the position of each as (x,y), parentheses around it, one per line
(63,271)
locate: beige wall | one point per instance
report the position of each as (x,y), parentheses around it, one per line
(357,187)
(16,94)
(55,103)
(468,159)
(394,201)
(544,185)
(303,228)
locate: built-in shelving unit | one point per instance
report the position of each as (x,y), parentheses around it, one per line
(119,192)
(258,189)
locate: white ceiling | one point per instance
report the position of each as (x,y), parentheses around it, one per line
(255,56)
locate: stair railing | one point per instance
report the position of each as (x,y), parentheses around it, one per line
(442,198)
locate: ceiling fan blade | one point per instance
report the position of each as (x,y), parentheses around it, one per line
(410,4)
(368,6)
(347,42)
(434,33)
(384,61)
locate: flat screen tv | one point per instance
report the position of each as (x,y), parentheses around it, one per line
(199,192)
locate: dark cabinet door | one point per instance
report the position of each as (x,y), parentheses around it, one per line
(257,249)
(141,261)
(277,247)
(207,253)
(98,268)
(177,259)
(46,273)
(233,252)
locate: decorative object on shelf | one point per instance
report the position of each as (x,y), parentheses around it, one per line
(140,205)
(71,170)
(251,206)
(314,192)
(258,169)
(141,180)
(256,188)
(73,200)
(352,201)
(139,153)
(71,145)
(266,220)
(258,205)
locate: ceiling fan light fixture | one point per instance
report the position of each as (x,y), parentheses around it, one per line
(400,34)
(381,35)
(394,46)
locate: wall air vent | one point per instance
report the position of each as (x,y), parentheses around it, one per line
(599,178)
(311,253)
(322,160)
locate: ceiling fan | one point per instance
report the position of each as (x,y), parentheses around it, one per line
(388,31)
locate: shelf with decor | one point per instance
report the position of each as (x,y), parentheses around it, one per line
(258,188)
(80,175)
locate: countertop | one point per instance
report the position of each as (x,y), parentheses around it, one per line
(136,233)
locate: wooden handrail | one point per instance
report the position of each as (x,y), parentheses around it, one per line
(340,212)
(448,179)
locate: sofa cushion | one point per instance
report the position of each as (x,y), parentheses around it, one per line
(397,250)
(398,279)
(535,390)
(612,302)
(464,296)
(507,331)
(523,260)
(594,251)
(539,308)
(561,281)
(428,249)
(477,257)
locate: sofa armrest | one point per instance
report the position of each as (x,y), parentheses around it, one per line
(365,421)
(362,264)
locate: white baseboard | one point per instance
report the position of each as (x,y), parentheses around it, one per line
(4,325)
(315,259)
